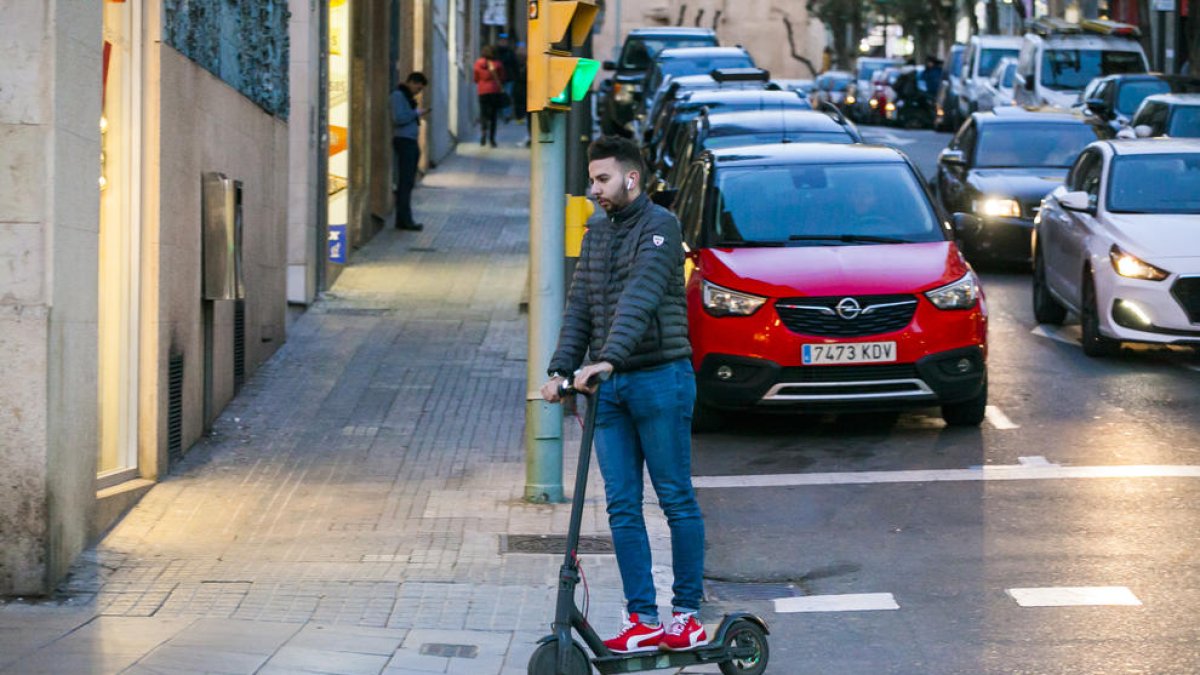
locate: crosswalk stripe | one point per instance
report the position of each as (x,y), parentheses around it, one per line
(1073,596)
(1058,333)
(851,602)
(982,473)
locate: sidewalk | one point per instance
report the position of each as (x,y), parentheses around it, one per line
(351,511)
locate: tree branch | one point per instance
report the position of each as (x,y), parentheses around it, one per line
(787,23)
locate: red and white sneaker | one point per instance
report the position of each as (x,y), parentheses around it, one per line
(685,632)
(635,636)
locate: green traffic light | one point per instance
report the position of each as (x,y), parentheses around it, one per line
(581,82)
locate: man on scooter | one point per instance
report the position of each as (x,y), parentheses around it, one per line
(626,310)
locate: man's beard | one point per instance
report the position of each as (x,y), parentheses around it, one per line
(622,200)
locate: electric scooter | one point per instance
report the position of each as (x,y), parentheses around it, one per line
(739,645)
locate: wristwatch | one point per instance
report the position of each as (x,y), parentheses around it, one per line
(556,373)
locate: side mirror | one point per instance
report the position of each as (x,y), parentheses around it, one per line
(952,157)
(1126,133)
(965,223)
(1028,83)
(608,65)
(1077,201)
(665,197)
(1143,131)
(1100,107)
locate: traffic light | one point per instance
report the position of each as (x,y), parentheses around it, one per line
(555,78)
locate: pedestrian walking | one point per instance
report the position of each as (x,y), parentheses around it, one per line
(627,315)
(406,120)
(489,84)
(507,57)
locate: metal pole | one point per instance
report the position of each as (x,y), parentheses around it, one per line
(617,44)
(547,206)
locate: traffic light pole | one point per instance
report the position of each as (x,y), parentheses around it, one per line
(547,207)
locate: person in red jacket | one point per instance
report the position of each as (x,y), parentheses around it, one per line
(489,84)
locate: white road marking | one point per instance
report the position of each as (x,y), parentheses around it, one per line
(991,472)
(1073,596)
(1066,334)
(1191,366)
(853,602)
(998,419)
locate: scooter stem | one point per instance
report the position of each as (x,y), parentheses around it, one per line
(568,576)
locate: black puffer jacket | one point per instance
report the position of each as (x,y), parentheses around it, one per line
(626,304)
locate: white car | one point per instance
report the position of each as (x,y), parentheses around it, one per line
(1119,244)
(997,90)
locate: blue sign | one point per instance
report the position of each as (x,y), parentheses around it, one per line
(337,244)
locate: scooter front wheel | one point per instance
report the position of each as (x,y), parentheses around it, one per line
(544,660)
(749,640)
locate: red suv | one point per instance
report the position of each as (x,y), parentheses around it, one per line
(823,277)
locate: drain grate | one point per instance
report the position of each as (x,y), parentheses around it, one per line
(724,590)
(553,543)
(449,651)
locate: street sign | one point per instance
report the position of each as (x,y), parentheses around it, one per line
(337,244)
(495,13)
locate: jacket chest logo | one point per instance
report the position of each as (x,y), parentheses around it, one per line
(658,239)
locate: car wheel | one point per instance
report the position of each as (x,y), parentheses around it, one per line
(1046,309)
(706,419)
(1095,344)
(968,413)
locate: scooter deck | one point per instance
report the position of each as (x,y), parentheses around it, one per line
(716,651)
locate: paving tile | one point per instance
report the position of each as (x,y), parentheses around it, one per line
(303,659)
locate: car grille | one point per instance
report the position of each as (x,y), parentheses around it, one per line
(832,384)
(1187,293)
(819,316)
(865,373)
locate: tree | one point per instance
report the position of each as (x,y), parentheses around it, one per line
(844,20)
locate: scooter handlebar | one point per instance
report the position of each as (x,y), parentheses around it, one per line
(567,386)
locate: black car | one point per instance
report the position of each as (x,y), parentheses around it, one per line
(671,63)
(620,93)
(1116,97)
(728,79)
(660,155)
(756,127)
(999,166)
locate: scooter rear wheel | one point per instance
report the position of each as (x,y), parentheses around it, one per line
(544,660)
(749,636)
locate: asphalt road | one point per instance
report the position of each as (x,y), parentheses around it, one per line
(902,546)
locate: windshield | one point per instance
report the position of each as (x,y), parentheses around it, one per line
(1155,184)
(799,203)
(765,137)
(640,51)
(1185,122)
(1074,68)
(1131,94)
(956,62)
(701,66)
(990,57)
(1031,145)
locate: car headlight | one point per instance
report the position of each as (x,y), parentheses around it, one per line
(724,302)
(962,294)
(1133,267)
(998,207)
(850,99)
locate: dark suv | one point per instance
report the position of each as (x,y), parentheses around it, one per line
(620,93)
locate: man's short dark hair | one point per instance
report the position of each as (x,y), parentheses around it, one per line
(625,151)
(417,77)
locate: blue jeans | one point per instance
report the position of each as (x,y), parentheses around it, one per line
(644,417)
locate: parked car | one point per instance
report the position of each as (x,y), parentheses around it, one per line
(823,277)
(678,88)
(1119,245)
(661,156)
(946,117)
(979,60)
(676,62)
(997,91)
(1058,59)
(720,130)
(802,87)
(1116,98)
(911,106)
(619,94)
(859,92)
(830,87)
(997,169)
(1174,115)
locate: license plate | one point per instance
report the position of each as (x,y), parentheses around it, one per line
(849,352)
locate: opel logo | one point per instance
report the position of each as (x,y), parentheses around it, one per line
(848,308)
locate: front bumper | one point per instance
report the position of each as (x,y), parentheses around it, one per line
(1134,310)
(1000,239)
(945,377)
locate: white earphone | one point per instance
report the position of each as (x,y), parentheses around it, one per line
(629,184)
